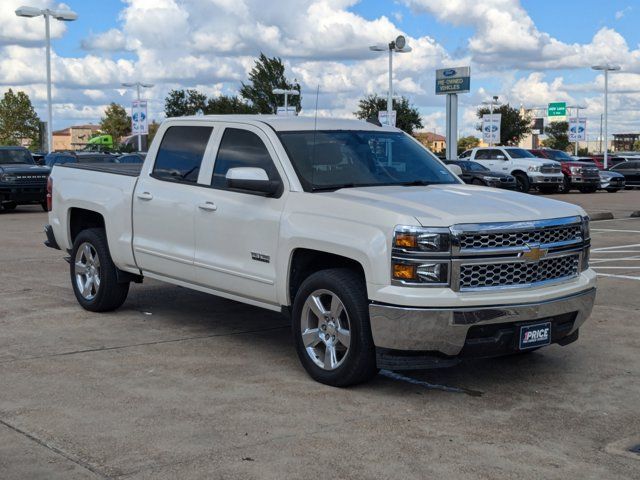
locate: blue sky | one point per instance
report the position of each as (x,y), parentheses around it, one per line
(529,52)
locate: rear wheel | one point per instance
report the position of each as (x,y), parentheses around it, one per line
(331,328)
(522,182)
(93,274)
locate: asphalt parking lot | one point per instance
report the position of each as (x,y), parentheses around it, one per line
(179,384)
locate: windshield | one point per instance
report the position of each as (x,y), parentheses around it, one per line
(520,153)
(326,160)
(17,155)
(559,155)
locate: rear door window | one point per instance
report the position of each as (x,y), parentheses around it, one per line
(180,154)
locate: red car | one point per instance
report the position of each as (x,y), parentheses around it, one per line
(583,176)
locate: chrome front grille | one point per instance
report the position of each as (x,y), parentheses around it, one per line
(521,238)
(518,274)
(550,168)
(31,178)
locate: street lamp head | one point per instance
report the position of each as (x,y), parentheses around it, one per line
(401,42)
(606,66)
(147,85)
(282,91)
(495,97)
(128,84)
(64,15)
(28,12)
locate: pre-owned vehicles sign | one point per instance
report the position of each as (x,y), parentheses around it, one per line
(453,80)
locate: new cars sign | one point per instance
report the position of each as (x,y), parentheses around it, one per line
(139,123)
(577,129)
(453,80)
(491,128)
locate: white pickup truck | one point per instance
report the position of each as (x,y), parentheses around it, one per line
(381,256)
(529,170)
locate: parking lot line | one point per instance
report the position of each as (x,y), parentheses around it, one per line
(626,277)
(613,230)
(602,249)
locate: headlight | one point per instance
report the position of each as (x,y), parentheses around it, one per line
(425,273)
(576,170)
(418,239)
(534,168)
(7,178)
(586,230)
(492,179)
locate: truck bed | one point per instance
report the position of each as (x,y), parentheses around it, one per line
(129,169)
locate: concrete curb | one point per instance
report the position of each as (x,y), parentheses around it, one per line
(601,216)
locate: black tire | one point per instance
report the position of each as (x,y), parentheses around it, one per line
(477,181)
(566,185)
(613,190)
(359,364)
(588,189)
(548,189)
(522,182)
(8,206)
(110,294)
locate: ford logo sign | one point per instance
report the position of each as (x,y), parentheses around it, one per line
(491,128)
(449,73)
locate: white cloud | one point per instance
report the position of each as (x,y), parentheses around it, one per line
(621,13)
(27,31)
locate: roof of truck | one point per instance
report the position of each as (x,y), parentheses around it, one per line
(289,124)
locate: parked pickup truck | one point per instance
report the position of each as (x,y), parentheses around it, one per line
(584,176)
(380,255)
(529,170)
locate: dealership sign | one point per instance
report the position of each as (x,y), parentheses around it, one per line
(557,109)
(382,118)
(577,129)
(453,80)
(491,128)
(139,122)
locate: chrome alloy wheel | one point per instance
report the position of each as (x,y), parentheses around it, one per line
(87,271)
(325,329)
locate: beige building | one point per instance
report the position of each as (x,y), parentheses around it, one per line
(433,141)
(73,138)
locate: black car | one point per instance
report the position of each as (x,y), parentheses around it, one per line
(631,172)
(476,174)
(21,180)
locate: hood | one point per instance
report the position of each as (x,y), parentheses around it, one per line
(609,174)
(446,205)
(23,168)
(579,164)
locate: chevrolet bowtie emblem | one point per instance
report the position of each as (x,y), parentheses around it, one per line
(534,253)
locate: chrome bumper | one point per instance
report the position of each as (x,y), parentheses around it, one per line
(444,330)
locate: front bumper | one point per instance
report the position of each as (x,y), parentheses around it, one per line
(546,179)
(576,180)
(446,331)
(23,193)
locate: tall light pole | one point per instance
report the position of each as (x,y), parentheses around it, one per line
(286,93)
(138,86)
(493,102)
(399,45)
(65,16)
(578,108)
(606,68)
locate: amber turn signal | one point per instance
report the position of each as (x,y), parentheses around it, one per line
(404,272)
(406,240)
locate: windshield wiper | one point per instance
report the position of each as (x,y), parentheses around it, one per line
(326,188)
(416,183)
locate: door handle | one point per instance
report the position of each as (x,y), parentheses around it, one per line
(145,196)
(208,206)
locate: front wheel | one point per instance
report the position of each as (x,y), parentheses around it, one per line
(331,328)
(522,182)
(93,273)
(565,187)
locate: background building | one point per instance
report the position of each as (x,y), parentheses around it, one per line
(434,142)
(624,141)
(73,138)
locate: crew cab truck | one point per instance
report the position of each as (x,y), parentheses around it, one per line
(581,175)
(381,256)
(529,170)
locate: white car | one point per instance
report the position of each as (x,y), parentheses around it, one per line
(529,170)
(380,255)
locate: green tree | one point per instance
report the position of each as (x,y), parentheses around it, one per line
(115,122)
(513,126)
(267,74)
(636,146)
(18,120)
(407,116)
(227,105)
(557,135)
(465,143)
(180,103)
(153,129)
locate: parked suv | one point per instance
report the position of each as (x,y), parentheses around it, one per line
(529,170)
(631,172)
(21,180)
(580,175)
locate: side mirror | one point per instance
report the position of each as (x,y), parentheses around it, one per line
(252,179)
(455,169)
